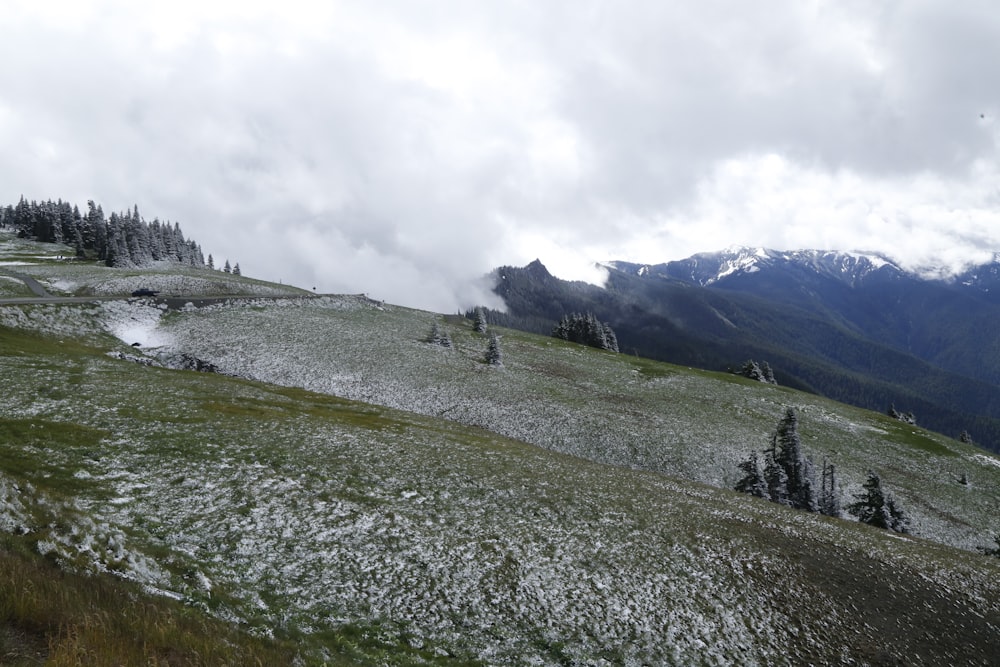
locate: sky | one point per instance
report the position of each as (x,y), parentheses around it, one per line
(405,148)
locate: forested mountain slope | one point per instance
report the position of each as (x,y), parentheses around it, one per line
(875,338)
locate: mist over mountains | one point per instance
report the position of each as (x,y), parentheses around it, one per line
(851,326)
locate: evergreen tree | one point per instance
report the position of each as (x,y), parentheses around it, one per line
(610,338)
(788,454)
(211,262)
(877,508)
(765,368)
(236,269)
(753,481)
(494,356)
(751,369)
(479,320)
(760,372)
(776,478)
(227,268)
(438,336)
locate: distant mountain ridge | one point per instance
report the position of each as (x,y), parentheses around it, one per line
(854,326)
(710,268)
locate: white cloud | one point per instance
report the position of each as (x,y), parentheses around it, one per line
(406,148)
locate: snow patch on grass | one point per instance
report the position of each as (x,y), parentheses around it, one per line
(134,322)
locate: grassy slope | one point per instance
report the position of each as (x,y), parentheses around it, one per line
(307,512)
(607,408)
(384,536)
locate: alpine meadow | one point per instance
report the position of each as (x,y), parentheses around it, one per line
(230,471)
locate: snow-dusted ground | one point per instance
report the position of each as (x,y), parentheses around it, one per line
(134,322)
(606,408)
(287,509)
(283,509)
(168,279)
(51,265)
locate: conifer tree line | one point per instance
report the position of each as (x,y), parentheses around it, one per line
(587,330)
(787,477)
(120,240)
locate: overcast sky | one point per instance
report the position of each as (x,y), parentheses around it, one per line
(404,148)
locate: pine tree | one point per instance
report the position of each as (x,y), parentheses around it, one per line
(610,338)
(494,356)
(438,336)
(776,478)
(211,261)
(479,320)
(227,268)
(753,481)
(236,269)
(788,454)
(765,369)
(435,334)
(877,508)
(751,369)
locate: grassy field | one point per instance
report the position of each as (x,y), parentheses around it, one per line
(358,496)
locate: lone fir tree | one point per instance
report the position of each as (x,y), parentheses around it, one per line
(494,356)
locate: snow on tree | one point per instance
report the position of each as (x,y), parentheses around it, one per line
(494,356)
(479,320)
(587,330)
(760,372)
(123,240)
(788,454)
(905,417)
(753,481)
(768,373)
(435,335)
(776,478)
(878,508)
(438,336)
(788,477)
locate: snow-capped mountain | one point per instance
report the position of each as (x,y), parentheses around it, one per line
(715,268)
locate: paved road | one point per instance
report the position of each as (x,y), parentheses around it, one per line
(35,286)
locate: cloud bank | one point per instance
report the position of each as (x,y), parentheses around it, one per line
(404,149)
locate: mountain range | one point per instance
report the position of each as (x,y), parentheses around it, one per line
(852,326)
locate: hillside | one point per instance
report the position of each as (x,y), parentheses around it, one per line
(871,336)
(466,513)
